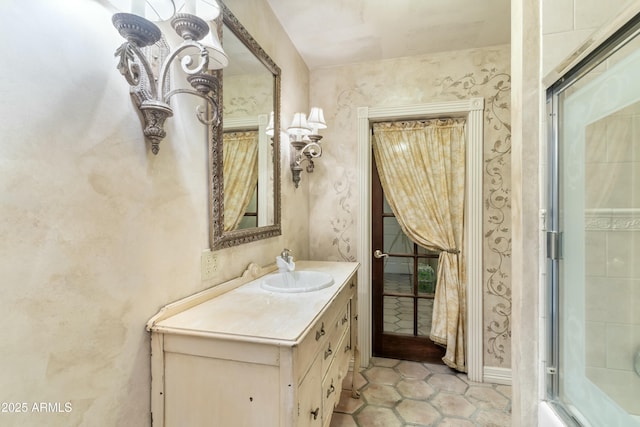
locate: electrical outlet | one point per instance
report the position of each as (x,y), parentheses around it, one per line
(209,264)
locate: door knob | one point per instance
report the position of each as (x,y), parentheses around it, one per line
(378,254)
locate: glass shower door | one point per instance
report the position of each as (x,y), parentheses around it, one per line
(594,239)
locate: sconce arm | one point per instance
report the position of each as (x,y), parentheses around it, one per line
(200,114)
(310,151)
(303,152)
(129,68)
(185,62)
(151,90)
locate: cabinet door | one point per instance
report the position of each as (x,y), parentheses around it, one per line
(310,397)
(205,392)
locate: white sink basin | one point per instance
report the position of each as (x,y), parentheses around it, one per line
(297,281)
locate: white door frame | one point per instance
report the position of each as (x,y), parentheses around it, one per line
(473,110)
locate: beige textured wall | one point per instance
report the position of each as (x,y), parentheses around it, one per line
(97,233)
(419,79)
(526,119)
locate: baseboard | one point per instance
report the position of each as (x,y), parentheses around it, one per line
(497,375)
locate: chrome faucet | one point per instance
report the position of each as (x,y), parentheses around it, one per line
(286,255)
(285,261)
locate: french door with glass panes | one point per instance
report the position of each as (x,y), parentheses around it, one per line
(403,287)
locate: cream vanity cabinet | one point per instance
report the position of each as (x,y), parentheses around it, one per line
(237,355)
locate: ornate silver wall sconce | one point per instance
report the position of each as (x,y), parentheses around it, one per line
(305,141)
(148,73)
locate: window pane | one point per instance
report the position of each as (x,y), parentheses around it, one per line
(398,315)
(427,268)
(398,275)
(425,311)
(395,241)
(248,222)
(385,205)
(423,251)
(253,204)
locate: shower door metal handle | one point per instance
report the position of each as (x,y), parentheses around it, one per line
(378,254)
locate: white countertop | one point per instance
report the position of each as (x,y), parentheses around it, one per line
(250,311)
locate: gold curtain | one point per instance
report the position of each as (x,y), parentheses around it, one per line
(422,170)
(240,171)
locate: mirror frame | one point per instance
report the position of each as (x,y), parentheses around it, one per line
(218,238)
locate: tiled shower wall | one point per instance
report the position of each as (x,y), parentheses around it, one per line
(612,221)
(567,24)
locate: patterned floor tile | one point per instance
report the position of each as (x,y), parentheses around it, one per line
(418,412)
(381,375)
(412,370)
(373,416)
(486,398)
(342,420)
(447,382)
(347,404)
(412,388)
(453,405)
(398,393)
(381,395)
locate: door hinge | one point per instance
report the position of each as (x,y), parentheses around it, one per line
(554,245)
(551,370)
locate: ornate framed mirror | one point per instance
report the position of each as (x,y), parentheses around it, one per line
(244,150)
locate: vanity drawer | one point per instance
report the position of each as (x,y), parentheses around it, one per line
(328,325)
(345,353)
(331,389)
(332,382)
(310,346)
(332,346)
(309,398)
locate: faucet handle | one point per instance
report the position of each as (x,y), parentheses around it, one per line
(285,261)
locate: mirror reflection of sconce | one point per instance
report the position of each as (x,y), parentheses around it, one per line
(305,141)
(145,59)
(269,130)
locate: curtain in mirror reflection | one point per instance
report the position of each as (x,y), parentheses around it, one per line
(240,163)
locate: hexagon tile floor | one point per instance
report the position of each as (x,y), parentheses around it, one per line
(397,393)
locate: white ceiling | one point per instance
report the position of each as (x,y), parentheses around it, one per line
(338,32)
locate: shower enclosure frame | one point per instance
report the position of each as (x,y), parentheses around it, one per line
(553,369)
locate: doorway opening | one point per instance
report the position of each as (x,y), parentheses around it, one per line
(473,111)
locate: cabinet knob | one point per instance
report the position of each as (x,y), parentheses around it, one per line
(321,332)
(345,319)
(315,413)
(331,389)
(328,352)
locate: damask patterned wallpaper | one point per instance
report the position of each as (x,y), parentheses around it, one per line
(248,95)
(415,80)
